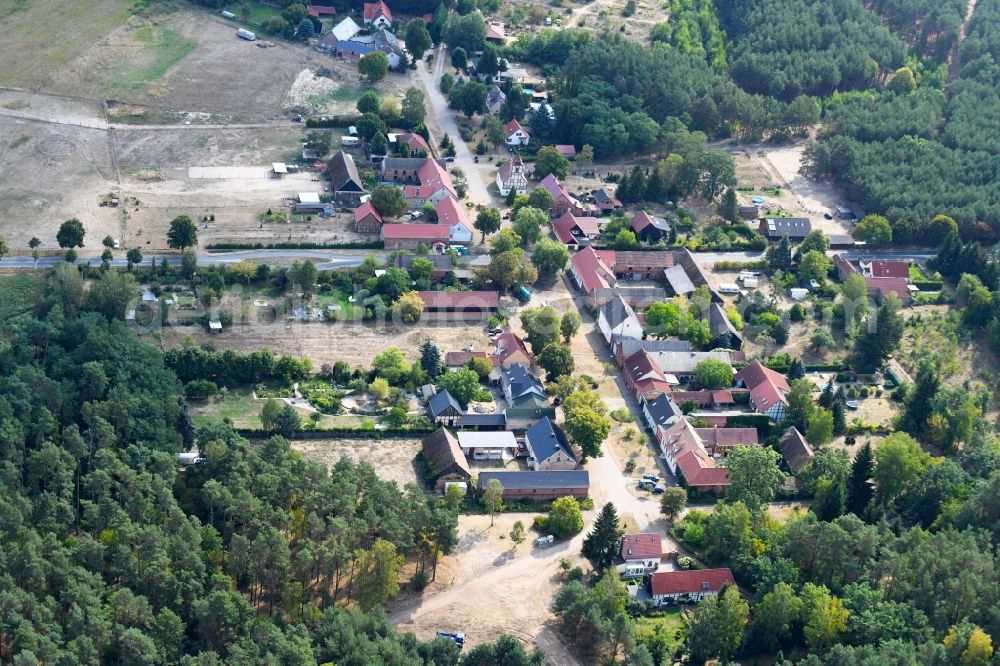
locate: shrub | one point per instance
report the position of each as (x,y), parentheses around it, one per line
(420,580)
(623,415)
(200,388)
(540,523)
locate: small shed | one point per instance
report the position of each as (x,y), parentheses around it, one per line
(279,169)
(215,326)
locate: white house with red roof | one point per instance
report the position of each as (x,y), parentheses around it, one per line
(434,185)
(672,587)
(511,177)
(510,350)
(516,134)
(639,554)
(377,14)
(366,219)
(592,270)
(451,214)
(767,389)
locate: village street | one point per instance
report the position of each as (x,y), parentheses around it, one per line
(441,120)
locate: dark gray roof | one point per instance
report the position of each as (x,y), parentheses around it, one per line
(441,401)
(472,420)
(793,227)
(720,325)
(442,452)
(795,450)
(403,163)
(630,347)
(662,409)
(524,480)
(344,173)
(546,439)
(521,381)
(617,311)
(691,267)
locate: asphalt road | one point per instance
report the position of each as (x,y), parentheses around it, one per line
(324,260)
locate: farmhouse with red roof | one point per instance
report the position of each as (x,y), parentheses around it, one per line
(767,389)
(639,554)
(378,14)
(516,135)
(672,587)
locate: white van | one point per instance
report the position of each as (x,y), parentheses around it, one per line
(544,541)
(243,33)
(348,140)
(729,288)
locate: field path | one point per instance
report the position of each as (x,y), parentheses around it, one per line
(954,58)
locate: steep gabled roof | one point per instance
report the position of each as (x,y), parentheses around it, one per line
(642,219)
(364,210)
(795,450)
(431,172)
(513,126)
(554,187)
(564,227)
(719,324)
(522,382)
(450,213)
(441,451)
(344,173)
(507,168)
(545,439)
(616,312)
(441,401)
(767,387)
(662,409)
(373,10)
(592,269)
(509,343)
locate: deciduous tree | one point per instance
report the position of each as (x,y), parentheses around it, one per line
(754,476)
(374,66)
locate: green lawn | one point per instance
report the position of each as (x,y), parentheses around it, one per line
(259,13)
(336,296)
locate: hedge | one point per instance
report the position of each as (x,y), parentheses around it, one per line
(333,121)
(762,422)
(929,285)
(370,245)
(825,367)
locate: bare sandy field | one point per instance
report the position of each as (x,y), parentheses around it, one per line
(357,344)
(487,587)
(49,173)
(393,458)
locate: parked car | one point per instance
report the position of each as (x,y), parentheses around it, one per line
(457,636)
(544,541)
(659,490)
(494,331)
(416,215)
(557,401)
(651,477)
(449,159)
(646,485)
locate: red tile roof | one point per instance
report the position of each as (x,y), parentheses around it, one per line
(767,387)
(566,149)
(432,173)
(512,127)
(563,227)
(460,299)
(375,9)
(449,213)
(593,270)
(429,232)
(364,210)
(898,286)
(414,141)
(715,437)
(643,546)
(890,269)
(494,31)
(508,343)
(690,582)
(321,10)
(555,188)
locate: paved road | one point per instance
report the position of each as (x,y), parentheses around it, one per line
(918,254)
(439,114)
(324,260)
